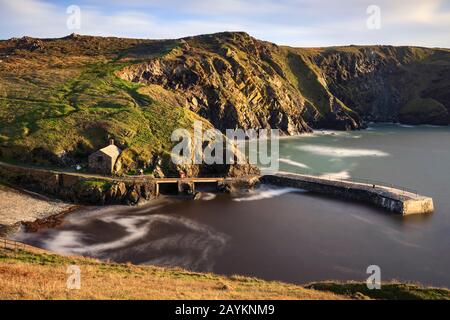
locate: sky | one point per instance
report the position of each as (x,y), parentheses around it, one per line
(301,23)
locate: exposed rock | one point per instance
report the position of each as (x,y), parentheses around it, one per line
(379,82)
(228,90)
(30,44)
(116,192)
(225,188)
(186,188)
(133,195)
(197,196)
(234,81)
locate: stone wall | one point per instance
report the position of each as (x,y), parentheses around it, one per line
(76,188)
(105,166)
(387,198)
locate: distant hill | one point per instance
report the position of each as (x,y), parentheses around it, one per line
(61,99)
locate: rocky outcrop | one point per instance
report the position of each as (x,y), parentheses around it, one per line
(30,44)
(163,167)
(234,80)
(385,83)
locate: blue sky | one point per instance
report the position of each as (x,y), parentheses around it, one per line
(288,22)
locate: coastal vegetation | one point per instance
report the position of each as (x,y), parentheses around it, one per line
(37,274)
(62,99)
(389,291)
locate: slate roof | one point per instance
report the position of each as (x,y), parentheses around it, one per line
(111,150)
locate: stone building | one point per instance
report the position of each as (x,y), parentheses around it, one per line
(104,160)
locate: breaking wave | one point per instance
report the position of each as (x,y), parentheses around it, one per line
(208,196)
(265,193)
(293,163)
(342,152)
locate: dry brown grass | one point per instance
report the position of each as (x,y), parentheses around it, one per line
(37,275)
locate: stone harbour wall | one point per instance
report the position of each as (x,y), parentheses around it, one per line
(77,188)
(390,199)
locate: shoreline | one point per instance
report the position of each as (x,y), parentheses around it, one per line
(56,219)
(24,208)
(34,211)
(52,221)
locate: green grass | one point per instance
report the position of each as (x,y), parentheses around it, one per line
(79,115)
(32,273)
(428,106)
(420,108)
(67,99)
(307,81)
(95,184)
(36,274)
(388,291)
(25,256)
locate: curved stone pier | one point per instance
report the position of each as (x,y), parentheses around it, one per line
(391,199)
(69,186)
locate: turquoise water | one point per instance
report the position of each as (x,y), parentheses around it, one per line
(286,234)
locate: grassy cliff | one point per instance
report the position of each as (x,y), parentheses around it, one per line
(61,99)
(31,273)
(36,274)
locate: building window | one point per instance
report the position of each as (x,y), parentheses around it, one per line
(99,159)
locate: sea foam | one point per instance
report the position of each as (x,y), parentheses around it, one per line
(342,152)
(261,194)
(293,163)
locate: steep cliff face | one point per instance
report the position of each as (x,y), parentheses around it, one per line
(234,80)
(385,83)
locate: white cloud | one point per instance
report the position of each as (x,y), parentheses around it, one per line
(291,22)
(29,17)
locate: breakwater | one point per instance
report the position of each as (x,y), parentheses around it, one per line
(392,199)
